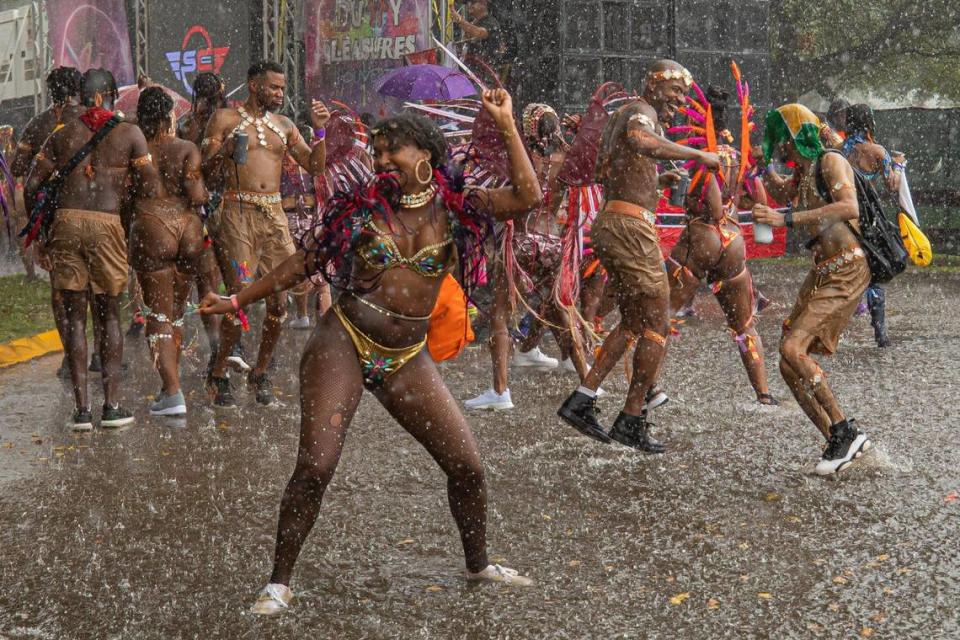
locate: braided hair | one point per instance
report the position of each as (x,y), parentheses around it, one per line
(210,87)
(153,111)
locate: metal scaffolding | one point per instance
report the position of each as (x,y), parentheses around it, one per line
(141,37)
(282,43)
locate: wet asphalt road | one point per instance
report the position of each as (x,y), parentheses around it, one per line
(166,531)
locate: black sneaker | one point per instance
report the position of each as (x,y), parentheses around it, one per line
(82,420)
(580,412)
(634,431)
(96,364)
(223,398)
(846,444)
(115,416)
(264,389)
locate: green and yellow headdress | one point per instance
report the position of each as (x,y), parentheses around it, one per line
(794,123)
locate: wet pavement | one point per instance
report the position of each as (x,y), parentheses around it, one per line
(166,530)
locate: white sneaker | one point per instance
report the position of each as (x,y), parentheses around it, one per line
(567,365)
(656,397)
(300,323)
(601,392)
(496,573)
(535,359)
(490,399)
(273,599)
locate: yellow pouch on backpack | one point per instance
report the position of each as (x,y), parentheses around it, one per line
(916,243)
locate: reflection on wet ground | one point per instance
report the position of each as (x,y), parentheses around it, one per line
(166,530)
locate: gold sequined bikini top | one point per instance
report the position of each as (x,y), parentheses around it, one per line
(380,252)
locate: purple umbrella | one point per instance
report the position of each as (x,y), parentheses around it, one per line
(425,82)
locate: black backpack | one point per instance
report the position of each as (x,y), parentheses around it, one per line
(879,237)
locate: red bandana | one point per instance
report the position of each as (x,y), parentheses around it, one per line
(96,117)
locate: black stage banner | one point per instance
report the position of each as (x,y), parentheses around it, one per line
(189,38)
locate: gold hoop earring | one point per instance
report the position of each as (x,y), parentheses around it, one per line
(416,172)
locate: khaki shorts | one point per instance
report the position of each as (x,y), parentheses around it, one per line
(628,247)
(828,298)
(249,237)
(88,249)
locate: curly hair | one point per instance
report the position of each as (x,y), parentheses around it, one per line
(153,111)
(411,128)
(64,83)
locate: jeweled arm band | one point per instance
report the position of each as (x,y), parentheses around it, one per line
(142,161)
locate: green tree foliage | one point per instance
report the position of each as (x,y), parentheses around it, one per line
(888,46)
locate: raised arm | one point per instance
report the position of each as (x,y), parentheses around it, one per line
(313,160)
(524,193)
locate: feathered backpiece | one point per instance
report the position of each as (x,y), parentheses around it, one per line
(700,132)
(578,167)
(347,143)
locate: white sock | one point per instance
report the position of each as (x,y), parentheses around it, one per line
(590,393)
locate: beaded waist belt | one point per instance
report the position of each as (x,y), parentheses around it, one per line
(832,265)
(259,199)
(625,208)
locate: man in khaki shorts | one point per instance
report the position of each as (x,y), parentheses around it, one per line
(625,239)
(86,244)
(250,231)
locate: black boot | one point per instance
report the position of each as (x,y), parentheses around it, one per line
(580,412)
(877,301)
(634,431)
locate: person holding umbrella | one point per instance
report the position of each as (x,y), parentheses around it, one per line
(388,246)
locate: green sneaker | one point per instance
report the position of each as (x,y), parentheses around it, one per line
(82,420)
(115,416)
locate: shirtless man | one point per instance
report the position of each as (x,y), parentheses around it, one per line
(250,231)
(625,239)
(87,246)
(63,87)
(208,96)
(829,296)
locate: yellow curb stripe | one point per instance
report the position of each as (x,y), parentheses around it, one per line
(24,349)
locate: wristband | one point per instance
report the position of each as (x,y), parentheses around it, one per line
(788,219)
(235,302)
(320,134)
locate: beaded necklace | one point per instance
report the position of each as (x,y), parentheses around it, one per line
(259,124)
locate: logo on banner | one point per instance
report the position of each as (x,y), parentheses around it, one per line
(188,62)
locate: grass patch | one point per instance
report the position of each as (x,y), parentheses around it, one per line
(24,307)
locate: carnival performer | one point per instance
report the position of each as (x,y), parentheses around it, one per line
(250,230)
(63,88)
(873,162)
(86,243)
(711,246)
(166,241)
(209,94)
(833,287)
(529,255)
(625,239)
(390,245)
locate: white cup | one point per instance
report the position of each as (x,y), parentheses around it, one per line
(762,233)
